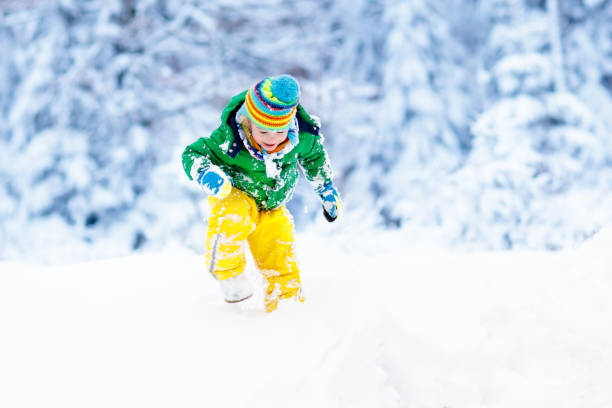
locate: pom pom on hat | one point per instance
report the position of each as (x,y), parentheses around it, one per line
(271,103)
(285,88)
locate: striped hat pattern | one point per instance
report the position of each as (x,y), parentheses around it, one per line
(271,103)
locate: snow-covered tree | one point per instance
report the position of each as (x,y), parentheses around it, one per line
(535,171)
(422,109)
(485,120)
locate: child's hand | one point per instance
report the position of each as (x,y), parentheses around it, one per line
(332,206)
(215,182)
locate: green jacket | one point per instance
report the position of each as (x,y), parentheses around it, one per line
(224,148)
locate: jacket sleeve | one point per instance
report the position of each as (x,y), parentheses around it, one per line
(203,153)
(315,163)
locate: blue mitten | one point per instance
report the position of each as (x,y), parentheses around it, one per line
(332,206)
(215,182)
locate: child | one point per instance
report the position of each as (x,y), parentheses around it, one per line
(249,168)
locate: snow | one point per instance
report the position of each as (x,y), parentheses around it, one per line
(529,73)
(384,325)
(451,126)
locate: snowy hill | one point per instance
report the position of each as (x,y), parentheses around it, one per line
(383,326)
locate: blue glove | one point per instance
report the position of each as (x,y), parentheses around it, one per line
(332,206)
(215,182)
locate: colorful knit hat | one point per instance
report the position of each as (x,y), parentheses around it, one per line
(271,103)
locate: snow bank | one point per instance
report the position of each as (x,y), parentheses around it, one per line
(383,326)
(602,241)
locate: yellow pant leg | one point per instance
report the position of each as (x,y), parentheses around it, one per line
(231,221)
(272,246)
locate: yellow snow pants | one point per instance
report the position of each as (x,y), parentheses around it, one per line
(235,221)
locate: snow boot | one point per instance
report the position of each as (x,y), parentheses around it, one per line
(281,286)
(236,289)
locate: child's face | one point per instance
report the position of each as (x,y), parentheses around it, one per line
(268,139)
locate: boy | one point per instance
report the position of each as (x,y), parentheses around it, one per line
(249,168)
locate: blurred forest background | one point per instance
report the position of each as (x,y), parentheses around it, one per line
(487,123)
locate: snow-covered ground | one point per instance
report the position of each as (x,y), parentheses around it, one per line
(383,326)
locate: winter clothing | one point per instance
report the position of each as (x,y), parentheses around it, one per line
(270,182)
(254,210)
(331,201)
(215,182)
(271,103)
(236,220)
